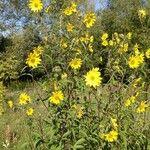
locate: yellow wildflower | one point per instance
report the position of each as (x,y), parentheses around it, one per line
(141,108)
(33,60)
(123,48)
(93,78)
(111,43)
(104,36)
(56,97)
(147,53)
(130,101)
(89,19)
(90,47)
(24,99)
(129,35)
(105,43)
(142,13)
(133,62)
(10,103)
(70,27)
(35,5)
(70,10)
(63,43)
(111,136)
(114,123)
(75,63)
(30,111)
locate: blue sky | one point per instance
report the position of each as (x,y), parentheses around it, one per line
(100,4)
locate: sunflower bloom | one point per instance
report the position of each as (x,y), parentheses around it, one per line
(141,108)
(75,63)
(112,136)
(142,13)
(70,10)
(133,62)
(30,111)
(89,19)
(33,60)
(56,97)
(93,78)
(24,99)
(35,5)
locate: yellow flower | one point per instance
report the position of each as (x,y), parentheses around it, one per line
(30,111)
(56,97)
(24,99)
(104,36)
(33,60)
(142,13)
(89,19)
(141,108)
(63,44)
(93,78)
(70,10)
(129,35)
(90,47)
(70,27)
(111,43)
(87,39)
(111,136)
(35,5)
(133,62)
(114,123)
(123,48)
(10,104)
(127,103)
(75,63)
(38,50)
(105,43)
(130,101)
(147,53)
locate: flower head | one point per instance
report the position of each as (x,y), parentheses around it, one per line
(141,13)
(89,19)
(56,97)
(30,111)
(71,9)
(35,5)
(141,108)
(104,36)
(10,103)
(111,136)
(133,62)
(93,78)
(75,63)
(24,99)
(33,60)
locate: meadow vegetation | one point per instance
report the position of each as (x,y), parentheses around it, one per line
(74,76)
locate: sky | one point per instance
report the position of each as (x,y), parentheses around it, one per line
(100,4)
